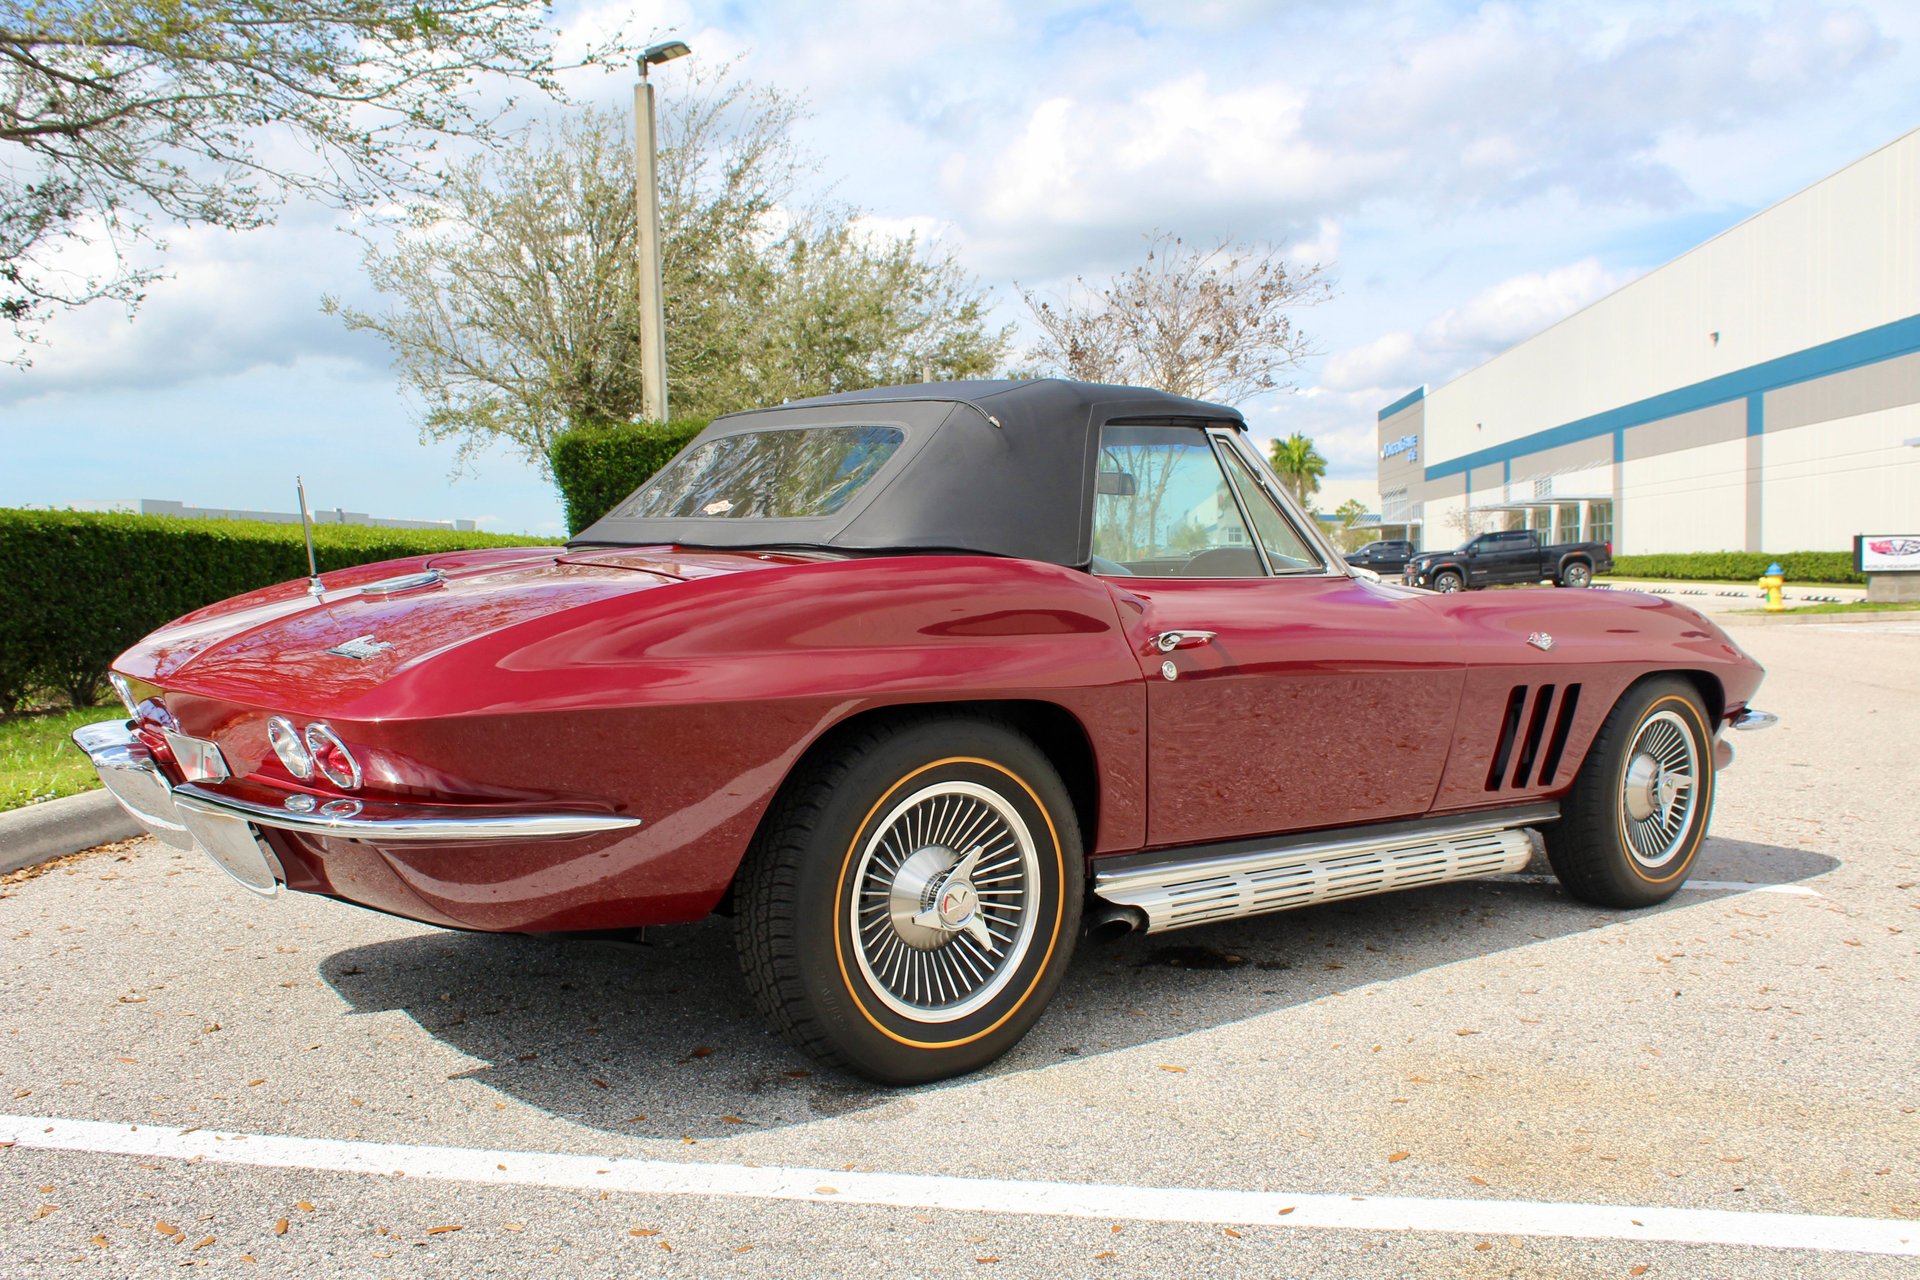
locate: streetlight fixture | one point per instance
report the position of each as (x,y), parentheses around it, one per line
(646,194)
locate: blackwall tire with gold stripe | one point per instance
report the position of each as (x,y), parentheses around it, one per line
(911,900)
(1633,823)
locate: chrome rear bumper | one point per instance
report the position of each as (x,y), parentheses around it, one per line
(222,819)
(127,770)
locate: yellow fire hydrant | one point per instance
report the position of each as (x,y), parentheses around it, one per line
(1771,582)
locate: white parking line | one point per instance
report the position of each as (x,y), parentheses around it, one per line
(1708,886)
(979,1195)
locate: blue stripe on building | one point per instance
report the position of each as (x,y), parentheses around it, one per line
(1412,397)
(1870,346)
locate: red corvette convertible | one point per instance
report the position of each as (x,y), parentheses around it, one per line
(914,683)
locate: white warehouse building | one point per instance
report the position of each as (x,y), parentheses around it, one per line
(1759,393)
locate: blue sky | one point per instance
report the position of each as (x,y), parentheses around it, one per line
(1473,173)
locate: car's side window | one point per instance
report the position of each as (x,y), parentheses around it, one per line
(1163,508)
(1287,551)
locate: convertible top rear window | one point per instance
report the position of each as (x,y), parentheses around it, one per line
(792,473)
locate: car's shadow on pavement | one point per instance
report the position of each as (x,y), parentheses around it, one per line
(661,1039)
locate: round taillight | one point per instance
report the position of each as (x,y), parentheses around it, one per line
(286,743)
(331,757)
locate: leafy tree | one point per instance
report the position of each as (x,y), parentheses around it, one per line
(1349,513)
(1215,322)
(1299,465)
(515,305)
(117,120)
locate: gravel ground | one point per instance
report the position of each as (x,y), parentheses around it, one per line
(1734,1050)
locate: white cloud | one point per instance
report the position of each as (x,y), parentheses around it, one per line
(1460,337)
(229,302)
(1472,176)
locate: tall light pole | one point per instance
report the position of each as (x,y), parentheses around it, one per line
(646,197)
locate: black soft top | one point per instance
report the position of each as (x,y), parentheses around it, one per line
(1001,468)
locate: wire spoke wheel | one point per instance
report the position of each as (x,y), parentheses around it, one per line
(1659,794)
(941,914)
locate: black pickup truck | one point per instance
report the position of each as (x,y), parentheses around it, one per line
(1511,556)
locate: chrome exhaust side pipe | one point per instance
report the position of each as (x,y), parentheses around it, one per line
(1109,923)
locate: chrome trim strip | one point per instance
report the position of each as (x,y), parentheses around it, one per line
(1176,889)
(1332,563)
(1751,719)
(405,582)
(1240,501)
(376,820)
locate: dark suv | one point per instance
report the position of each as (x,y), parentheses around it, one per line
(1389,555)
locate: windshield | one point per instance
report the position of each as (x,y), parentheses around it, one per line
(770,475)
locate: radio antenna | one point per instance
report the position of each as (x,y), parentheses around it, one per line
(315,587)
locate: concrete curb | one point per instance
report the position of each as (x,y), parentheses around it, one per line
(1791,616)
(55,828)
(1818,594)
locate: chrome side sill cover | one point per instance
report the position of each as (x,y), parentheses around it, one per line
(1178,888)
(1751,719)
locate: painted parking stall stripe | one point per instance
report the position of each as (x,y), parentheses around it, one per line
(1702,886)
(980,1195)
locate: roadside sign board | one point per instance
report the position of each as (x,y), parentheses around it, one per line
(1887,552)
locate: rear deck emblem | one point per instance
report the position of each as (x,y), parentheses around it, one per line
(1541,641)
(361,647)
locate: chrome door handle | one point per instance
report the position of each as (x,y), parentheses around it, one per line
(1168,641)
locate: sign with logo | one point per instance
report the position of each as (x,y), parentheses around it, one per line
(1409,445)
(1887,552)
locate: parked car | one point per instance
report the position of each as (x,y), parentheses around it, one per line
(1514,555)
(1383,556)
(913,683)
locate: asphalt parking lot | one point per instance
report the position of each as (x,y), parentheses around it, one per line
(1483,1079)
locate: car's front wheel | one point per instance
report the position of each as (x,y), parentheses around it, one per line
(1638,810)
(1447,581)
(911,901)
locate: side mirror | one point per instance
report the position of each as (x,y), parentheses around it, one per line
(1114,484)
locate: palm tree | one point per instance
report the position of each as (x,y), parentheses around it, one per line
(1299,464)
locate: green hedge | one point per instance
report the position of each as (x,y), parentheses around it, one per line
(596,466)
(76,588)
(1740,566)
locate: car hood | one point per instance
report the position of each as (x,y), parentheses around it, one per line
(282,646)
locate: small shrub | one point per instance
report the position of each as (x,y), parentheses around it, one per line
(1740,566)
(596,466)
(77,588)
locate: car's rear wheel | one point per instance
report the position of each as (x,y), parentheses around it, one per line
(1448,581)
(1638,811)
(911,901)
(1576,574)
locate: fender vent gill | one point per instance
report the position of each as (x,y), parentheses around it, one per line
(1522,750)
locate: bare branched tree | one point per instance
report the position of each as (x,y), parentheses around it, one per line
(1216,323)
(119,120)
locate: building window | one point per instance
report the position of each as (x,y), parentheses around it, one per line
(1543,487)
(1394,507)
(1600,521)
